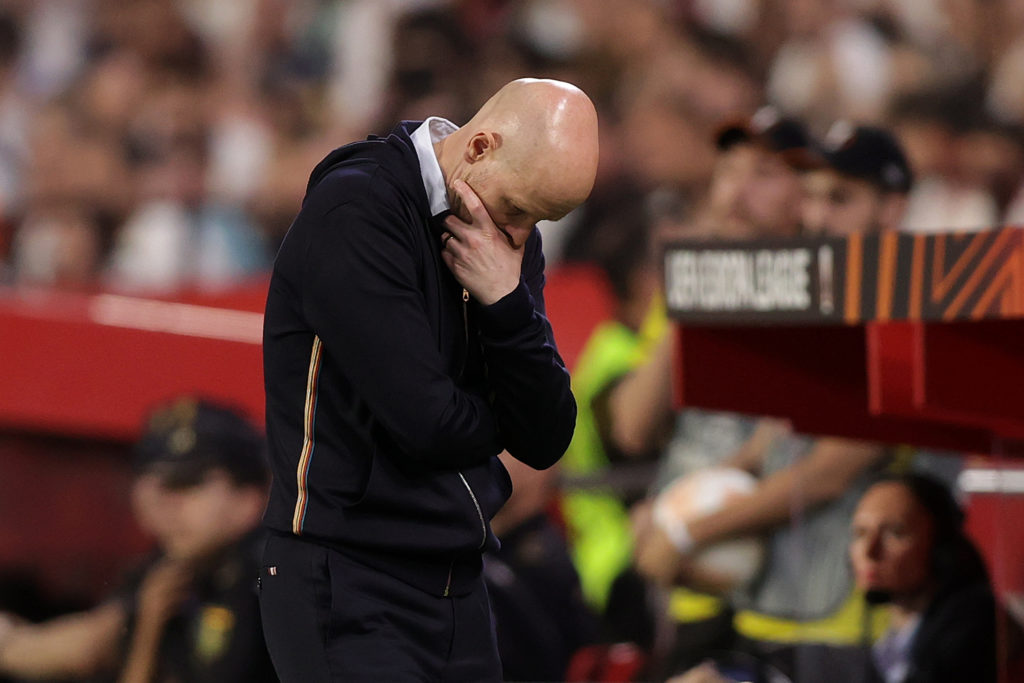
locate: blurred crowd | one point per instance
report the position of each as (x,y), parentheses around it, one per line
(151,144)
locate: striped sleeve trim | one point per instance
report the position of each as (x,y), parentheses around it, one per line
(308,422)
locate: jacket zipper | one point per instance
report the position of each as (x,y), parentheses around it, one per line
(465,327)
(476,503)
(465,330)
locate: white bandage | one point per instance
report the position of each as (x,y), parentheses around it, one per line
(674,528)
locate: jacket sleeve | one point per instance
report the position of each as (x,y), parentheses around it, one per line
(533,402)
(363,299)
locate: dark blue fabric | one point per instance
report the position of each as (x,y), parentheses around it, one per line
(418,391)
(327,617)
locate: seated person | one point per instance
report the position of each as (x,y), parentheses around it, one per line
(855,181)
(910,555)
(909,551)
(191,613)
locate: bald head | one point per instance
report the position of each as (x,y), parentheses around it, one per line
(539,135)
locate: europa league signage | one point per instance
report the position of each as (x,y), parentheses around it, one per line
(749,282)
(851,280)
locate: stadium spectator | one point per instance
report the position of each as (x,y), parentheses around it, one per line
(190,613)
(862,185)
(909,552)
(808,486)
(596,515)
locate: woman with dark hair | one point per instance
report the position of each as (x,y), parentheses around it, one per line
(909,551)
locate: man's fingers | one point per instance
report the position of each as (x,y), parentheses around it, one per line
(448,257)
(454,225)
(472,203)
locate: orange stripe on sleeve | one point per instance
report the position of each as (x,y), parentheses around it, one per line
(309,414)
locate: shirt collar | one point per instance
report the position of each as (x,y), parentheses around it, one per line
(892,652)
(423,138)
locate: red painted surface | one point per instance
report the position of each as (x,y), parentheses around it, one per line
(577,298)
(78,373)
(93,365)
(65,514)
(817,377)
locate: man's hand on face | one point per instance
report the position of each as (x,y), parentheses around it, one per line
(478,253)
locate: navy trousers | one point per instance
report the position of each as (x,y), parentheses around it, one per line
(329,618)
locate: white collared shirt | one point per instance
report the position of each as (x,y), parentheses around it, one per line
(423,138)
(892,651)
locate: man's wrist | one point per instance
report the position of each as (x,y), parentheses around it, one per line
(508,314)
(675,529)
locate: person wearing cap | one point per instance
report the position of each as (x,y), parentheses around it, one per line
(756,181)
(190,613)
(860,184)
(855,181)
(753,193)
(806,485)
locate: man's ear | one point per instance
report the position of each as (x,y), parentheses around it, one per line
(481,144)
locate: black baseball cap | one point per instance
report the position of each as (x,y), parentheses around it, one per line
(783,134)
(868,153)
(187,438)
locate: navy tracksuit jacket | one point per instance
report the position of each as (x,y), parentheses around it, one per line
(389,395)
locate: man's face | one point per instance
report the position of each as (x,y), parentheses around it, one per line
(200,518)
(891,541)
(834,204)
(769,199)
(150,505)
(734,168)
(511,203)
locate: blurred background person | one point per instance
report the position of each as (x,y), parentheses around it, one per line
(861,186)
(190,613)
(595,511)
(541,617)
(909,552)
(754,192)
(807,485)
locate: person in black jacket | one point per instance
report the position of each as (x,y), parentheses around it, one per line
(909,551)
(190,612)
(405,347)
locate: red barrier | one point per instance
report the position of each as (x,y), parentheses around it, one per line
(92,365)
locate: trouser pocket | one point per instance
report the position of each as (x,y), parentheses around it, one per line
(294,591)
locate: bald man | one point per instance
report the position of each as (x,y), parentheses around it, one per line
(405,347)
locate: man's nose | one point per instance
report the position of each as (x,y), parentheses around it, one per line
(874,546)
(517,231)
